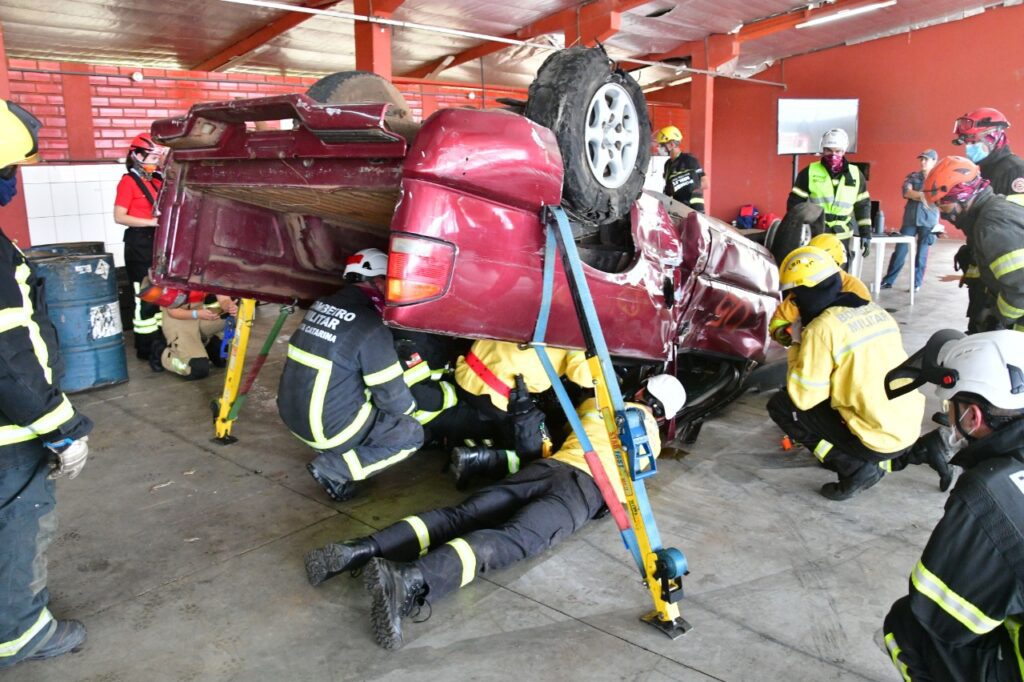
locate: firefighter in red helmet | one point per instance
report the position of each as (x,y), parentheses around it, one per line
(133,207)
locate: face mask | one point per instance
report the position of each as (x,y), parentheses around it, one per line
(953,215)
(976,151)
(8,188)
(663,150)
(834,162)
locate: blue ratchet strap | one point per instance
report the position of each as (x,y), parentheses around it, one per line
(229,333)
(628,534)
(571,263)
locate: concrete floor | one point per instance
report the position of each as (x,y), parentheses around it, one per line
(184,557)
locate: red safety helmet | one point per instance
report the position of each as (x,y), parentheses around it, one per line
(142,142)
(954,178)
(979,122)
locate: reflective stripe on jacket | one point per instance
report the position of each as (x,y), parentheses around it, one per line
(506,360)
(572,453)
(844,199)
(787,313)
(970,579)
(995,234)
(31,402)
(843,356)
(341,365)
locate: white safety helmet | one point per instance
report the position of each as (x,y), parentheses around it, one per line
(366,264)
(835,139)
(990,365)
(669,392)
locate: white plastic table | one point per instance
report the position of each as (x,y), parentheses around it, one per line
(878,244)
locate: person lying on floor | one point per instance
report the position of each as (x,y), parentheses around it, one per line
(432,554)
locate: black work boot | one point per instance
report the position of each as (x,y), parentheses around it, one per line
(213,352)
(339,491)
(67,637)
(156,352)
(396,590)
(330,560)
(848,486)
(478,461)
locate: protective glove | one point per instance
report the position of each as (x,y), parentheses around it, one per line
(963,259)
(865,247)
(783,335)
(71,456)
(519,400)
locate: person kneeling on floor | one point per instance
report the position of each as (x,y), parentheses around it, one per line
(435,553)
(834,402)
(191,342)
(961,619)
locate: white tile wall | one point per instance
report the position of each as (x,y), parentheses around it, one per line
(74,203)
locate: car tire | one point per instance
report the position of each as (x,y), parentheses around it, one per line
(600,119)
(362,87)
(800,223)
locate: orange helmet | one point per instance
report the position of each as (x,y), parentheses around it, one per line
(979,122)
(142,142)
(954,178)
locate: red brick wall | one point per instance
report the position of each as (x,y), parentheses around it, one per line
(122,108)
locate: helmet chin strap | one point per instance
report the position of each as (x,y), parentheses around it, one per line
(959,424)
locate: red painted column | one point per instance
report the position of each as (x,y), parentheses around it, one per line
(78,111)
(373,41)
(13,216)
(702,103)
(593,23)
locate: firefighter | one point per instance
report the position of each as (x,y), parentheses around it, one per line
(834,402)
(982,133)
(962,617)
(342,390)
(994,228)
(434,553)
(190,343)
(684,177)
(133,207)
(42,436)
(839,188)
(497,379)
(781,324)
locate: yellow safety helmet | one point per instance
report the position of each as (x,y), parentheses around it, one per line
(668,134)
(19,135)
(830,244)
(807,266)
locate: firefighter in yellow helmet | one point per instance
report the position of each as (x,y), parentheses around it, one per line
(786,315)
(834,402)
(684,177)
(42,436)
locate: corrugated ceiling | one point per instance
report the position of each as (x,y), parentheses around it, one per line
(183,33)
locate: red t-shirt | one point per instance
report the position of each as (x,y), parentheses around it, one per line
(130,197)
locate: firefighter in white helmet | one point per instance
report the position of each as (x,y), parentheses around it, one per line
(962,617)
(342,390)
(839,188)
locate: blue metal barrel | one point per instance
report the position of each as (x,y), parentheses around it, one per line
(64,249)
(81,295)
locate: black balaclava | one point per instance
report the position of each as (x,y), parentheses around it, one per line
(813,301)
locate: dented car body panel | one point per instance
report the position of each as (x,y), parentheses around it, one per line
(273,215)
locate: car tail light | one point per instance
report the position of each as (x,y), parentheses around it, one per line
(419,269)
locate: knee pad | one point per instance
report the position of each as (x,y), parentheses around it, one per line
(200,368)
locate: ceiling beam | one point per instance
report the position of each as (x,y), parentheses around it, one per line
(783,22)
(287,21)
(552,23)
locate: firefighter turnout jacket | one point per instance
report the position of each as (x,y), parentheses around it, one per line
(995,235)
(683,180)
(1005,170)
(572,452)
(425,360)
(967,591)
(787,312)
(843,356)
(844,198)
(490,368)
(32,406)
(341,369)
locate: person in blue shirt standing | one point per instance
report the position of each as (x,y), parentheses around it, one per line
(919,219)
